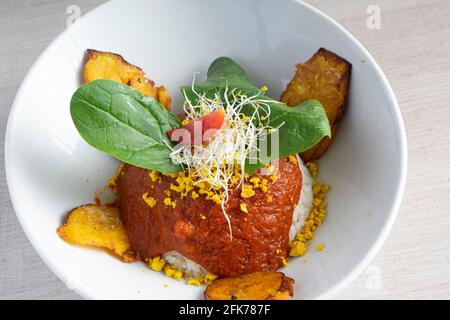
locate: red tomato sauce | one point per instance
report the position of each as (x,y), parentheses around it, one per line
(260,237)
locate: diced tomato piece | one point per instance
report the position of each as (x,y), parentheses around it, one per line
(200,130)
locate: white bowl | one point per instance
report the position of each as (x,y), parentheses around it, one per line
(50,169)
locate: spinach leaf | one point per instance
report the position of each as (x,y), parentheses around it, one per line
(222,73)
(301,128)
(120,121)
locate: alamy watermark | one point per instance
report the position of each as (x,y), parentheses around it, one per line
(74,12)
(373,281)
(373,21)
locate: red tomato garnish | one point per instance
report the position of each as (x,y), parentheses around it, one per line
(198,131)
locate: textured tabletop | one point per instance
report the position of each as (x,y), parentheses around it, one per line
(411,44)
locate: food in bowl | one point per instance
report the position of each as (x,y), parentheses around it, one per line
(199,194)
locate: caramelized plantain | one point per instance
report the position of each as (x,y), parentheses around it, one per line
(324,77)
(98,226)
(253,286)
(111,66)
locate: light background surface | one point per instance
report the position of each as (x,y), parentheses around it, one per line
(413,49)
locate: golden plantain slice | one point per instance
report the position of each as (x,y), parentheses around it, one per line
(98,226)
(111,66)
(253,286)
(324,77)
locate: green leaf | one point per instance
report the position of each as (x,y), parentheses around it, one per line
(222,73)
(120,121)
(302,126)
(226,68)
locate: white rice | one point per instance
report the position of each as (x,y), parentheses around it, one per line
(299,217)
(301,211)
(187,265)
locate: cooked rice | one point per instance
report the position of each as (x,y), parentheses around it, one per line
(301,211)
(186,265)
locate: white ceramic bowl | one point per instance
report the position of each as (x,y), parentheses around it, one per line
(50,169)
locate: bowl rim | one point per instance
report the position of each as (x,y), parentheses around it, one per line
(395,207)
(344,281)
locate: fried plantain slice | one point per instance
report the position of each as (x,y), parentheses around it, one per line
(253,286)
(324,77)
(98,226)
(111,66)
